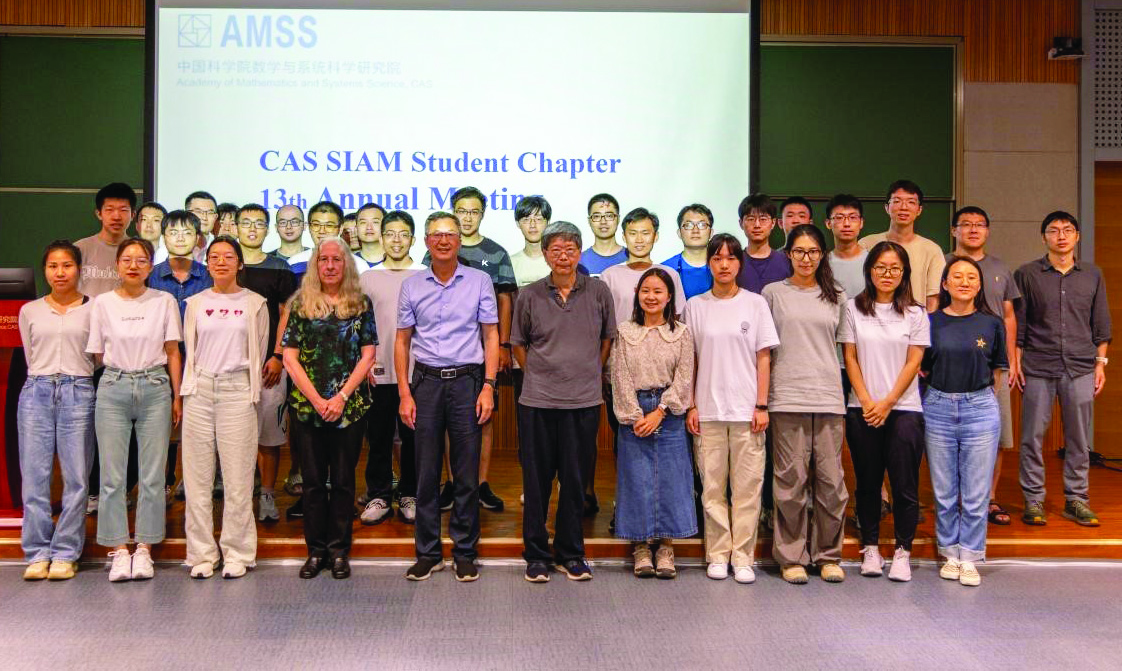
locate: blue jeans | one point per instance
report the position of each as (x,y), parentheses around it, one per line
(962,435)
(55,415)
(140,399)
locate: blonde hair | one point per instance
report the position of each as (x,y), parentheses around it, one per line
(311,302)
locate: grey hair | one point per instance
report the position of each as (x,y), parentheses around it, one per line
(564,230)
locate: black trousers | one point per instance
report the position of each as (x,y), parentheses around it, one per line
(328,453)
(447,406)
(382,420)
(897,447)
(562,444)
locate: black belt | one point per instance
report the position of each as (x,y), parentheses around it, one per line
(450,373)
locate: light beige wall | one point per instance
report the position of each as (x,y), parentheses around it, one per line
(1021,160)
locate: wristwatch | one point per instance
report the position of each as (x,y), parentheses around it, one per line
(276,356)
(491,381)
(1102,359)
(761,407)
(505,345)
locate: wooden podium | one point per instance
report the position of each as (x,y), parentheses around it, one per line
(13,372)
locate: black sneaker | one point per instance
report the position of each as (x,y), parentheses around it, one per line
(446,497)
(488,499)
(576,569)
(465,569)
(296,512)
(537,571)
(591,505)
(423,568)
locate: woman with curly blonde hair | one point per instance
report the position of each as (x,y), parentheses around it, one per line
(328,349)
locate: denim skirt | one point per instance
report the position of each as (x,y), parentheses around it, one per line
(654,479)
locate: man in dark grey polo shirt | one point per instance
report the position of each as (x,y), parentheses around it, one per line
(1063,330)
(561,332)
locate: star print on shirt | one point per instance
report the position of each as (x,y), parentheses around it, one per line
(980,342)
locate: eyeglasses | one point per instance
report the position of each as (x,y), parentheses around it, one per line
(695,226)
(460,212)
(397,235)
(289,223)
(599,217)
(967,225)
(563,251)
(441,236)
(1066,231)
(886,271)
(762,219)
(138,261)
(259,225)
(324,228)
(532,219)
(804,254)
(904,202)
(842,218)
(179,232)
(204,213)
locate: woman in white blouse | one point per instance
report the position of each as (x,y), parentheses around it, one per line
(652,383)
(55,416)
(135,331)
(226,331)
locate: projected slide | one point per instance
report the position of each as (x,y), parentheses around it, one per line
(403,107)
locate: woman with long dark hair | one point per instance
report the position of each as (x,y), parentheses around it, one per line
(885,334)
(652,383)
(807,411)
(962,417)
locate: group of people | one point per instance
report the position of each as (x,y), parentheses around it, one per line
(731,375)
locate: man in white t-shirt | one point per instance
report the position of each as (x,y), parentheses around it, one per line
(532,215)
(904,204)
(640,232)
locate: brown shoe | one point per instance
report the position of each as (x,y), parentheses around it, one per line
(644,567)
(664,563)
(832,573)
(61,570)
(36,570)
(795,574)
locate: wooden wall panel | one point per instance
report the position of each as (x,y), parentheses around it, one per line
(1108,256)
(73,13)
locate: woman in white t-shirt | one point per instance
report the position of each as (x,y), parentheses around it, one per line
(733,335)
(135,332)
(886,333)
(55,416)
(226,332)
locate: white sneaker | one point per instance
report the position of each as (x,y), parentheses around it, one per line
(951,570)
(142,568)
(407,508)
(901,570)
(717,571)
(743,575)
(233,570)
(970,576)
(376,512)
(202,570)
(121,568)
(872,564)
(91,505)
(267,508)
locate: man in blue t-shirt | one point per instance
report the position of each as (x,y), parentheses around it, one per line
(695,227)
(603,219)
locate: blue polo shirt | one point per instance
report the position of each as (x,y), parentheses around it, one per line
(198,279)
(695,279)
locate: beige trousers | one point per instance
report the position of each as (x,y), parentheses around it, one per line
(798,439)
(219,419)
(730,455)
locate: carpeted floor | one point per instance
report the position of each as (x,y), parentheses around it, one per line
(1024,616)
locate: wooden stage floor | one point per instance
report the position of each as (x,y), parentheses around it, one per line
(502,531)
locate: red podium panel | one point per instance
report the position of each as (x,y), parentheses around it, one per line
(13,370)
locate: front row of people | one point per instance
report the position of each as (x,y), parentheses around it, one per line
(733,364)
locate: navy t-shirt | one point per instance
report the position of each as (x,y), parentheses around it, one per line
(964,351)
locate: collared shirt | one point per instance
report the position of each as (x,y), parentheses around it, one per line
(446,318)
(55,342)
(755,274)
(562,340)
(163,279)
(1061,319)
(695,279)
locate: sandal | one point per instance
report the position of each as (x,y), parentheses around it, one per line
(998,515)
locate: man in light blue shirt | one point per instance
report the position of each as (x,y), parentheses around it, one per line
(448,316)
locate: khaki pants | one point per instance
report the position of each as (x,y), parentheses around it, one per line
(730,455)
(218,418)
(798,438)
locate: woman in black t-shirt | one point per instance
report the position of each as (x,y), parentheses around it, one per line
(963,425)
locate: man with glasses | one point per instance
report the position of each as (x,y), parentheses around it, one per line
(205,207)
(603,218)
(383,286)
(904,204)
(448,318)
(325,220)
(368,230)
(532,217)
(272,279)
(1063,331)
(845,217)
(562,322)
(695,227)
(762,265)
(290,230)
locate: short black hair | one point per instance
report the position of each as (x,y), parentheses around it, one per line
(797,200)
(603,198)
(118,190)
(697,208)
(639,214)
(185,217)
(844,200)
(969,209)
(326,206)
(199,194)
(1058,215)
(907,186)
(152,205)
(372,205)
(531,204)
(756,202)
(349,217)
(227,208)
(65,246)
(469,192)
(402,216)
(252,207)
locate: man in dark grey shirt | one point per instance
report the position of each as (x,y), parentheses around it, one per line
(1063,330)
(562,328)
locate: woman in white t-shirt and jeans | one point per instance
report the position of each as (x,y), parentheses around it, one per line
(733,335)
(226,332)
(885,335)
(135,332)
